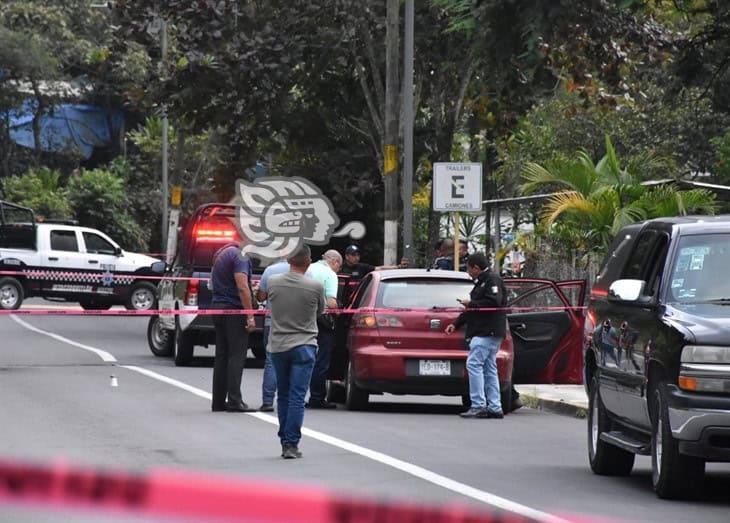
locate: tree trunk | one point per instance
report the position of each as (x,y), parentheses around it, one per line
(36,124)
(392,113)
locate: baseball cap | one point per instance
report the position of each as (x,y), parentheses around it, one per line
(352,249)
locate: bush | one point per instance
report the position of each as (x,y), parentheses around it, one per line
(40,190)
(99,200)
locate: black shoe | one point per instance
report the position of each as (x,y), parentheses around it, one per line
(517,404)
(218,409)
(494,415)
(320,404)
(266,407)
(474,413)
(238,407)
(289,451)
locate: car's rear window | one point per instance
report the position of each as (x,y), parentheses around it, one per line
(423,293)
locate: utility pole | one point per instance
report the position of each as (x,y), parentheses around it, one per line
(165,187)
(408,131)
(390,152)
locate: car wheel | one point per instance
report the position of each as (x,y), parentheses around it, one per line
(355,397)
(184,344)
(160,340)
(142,297)
(605,459)
(335,392)
(11,294)
(673,475)
(93,305)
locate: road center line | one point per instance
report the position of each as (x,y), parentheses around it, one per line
(403,466)
(105,356)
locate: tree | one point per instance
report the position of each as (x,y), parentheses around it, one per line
(594,201)
(40,190)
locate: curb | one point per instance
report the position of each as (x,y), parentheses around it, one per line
(555,406)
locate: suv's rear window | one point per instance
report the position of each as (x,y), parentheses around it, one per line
(700,269)
(423,293)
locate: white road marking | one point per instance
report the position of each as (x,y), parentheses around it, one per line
(398,464)
(105,356)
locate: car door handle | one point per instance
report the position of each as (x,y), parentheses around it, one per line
(93,261)
(519,327)
(52,258)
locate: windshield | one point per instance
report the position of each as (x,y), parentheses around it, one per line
(700,269)
(425,293)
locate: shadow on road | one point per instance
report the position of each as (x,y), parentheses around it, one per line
(717,486)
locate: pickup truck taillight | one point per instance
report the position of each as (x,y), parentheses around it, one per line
(191,294)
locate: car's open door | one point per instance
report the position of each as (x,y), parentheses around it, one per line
(546,322)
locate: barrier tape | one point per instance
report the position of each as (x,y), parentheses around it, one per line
(264,312)
(202,497)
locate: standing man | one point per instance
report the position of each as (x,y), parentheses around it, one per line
(463,254)
(357,270)
(295,303)
(230,278)
(445,262)
(485,331)
(268,386)
(325,272)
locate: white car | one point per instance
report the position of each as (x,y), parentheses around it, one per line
(65,262)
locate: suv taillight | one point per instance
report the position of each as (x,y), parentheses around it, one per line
(372,321)
(191,294)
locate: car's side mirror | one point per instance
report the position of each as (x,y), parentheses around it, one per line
(159,267)
(626,290)
(117,251)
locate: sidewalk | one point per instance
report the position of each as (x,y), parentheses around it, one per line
(570,400)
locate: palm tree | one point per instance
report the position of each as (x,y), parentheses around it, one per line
(594,201)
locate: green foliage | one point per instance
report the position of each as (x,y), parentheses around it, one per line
(40,190)
(722,158)
(99,200)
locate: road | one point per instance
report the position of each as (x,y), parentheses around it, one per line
(56,401)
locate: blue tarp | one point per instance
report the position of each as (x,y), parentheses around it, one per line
(74,128)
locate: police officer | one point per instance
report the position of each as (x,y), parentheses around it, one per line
(356,270)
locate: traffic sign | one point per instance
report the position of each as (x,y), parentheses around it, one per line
(457,187)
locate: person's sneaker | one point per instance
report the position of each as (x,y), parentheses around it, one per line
(266,407)
(493,415)
(320,404)
(289,451)
(474,413)
(238,407)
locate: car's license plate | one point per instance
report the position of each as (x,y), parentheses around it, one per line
(434,367)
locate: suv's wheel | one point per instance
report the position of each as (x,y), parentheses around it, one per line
(355,397)
(93,305)
(184,344)
(142,297)
(11,294)
(673,475)
(605,459)
(161,341)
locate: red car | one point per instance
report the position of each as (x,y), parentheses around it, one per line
(407,352)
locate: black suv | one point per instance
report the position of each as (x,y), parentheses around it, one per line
(657,361)
(209,228)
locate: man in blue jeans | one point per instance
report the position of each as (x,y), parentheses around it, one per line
(485,331)
(295,302)
(268,386)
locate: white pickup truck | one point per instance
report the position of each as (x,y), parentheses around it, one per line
(63,262)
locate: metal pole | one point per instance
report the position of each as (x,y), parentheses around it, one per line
(408,117)
(165,188)
(457,238)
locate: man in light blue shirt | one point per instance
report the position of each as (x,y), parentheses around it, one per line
(325,272)
(268,387)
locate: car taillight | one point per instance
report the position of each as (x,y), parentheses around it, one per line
(191,295)
(372,321)
(209,234)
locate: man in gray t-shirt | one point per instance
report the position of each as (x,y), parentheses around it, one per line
(295,301)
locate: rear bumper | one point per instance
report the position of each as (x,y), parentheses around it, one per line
(701,422)
(379,369)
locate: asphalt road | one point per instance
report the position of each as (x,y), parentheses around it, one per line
(56,402)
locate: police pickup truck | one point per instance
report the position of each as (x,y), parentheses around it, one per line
(186,287)
(63,262)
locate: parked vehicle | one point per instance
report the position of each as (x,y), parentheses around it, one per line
(210,227)
(60,261)
(657,362)
(405,352)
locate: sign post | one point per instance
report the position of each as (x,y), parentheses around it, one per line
(457,187)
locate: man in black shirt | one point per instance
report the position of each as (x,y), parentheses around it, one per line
(485,331)
(356,270)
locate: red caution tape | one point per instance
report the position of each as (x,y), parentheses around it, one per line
(264,312)
(202,497)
